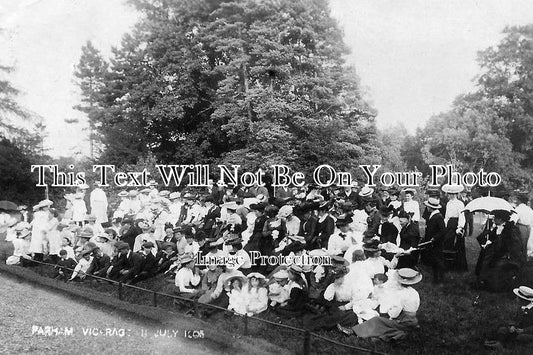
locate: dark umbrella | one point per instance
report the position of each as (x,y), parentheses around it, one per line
(8,206)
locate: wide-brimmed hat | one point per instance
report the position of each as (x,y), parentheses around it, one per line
(433,202)
(366,191)
(524,292)
(45,203)
(174,196)
(339,260)
(187,258)
(318,252)
(216,243)
(371,245)
(164,193)
(133,193)
(452,189)
(281,274)
(256,275)
(122,194)
(87,233)
(230,279)
(285,211)
(297,238)
(23,233)
(146,190)
(409,190)
(21,226)
(233,239)
(408,276)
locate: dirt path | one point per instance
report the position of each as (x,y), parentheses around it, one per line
(79,328)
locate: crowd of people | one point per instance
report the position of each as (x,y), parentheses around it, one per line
(371,239)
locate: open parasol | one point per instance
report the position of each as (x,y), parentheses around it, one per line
(488,204)
(8,206)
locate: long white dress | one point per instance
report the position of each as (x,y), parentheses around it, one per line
(79,209)
(53,236)
(98,201)
(39,226)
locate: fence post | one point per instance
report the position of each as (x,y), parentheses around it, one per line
(307,342)
(245,324)
(154,301)
(120,295)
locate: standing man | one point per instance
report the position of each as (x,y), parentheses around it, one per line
(435,231)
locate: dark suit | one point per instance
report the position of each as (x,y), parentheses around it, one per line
(409,237)
(307,228)
(210,220)
(131,263)
(323,231)
(432,255)
(130,235)
(148,268)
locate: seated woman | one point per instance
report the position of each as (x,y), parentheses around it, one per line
(401,314)
(237,294)
(375,263)
(338,300)
(209,282)
(257,294)
(297,289)
(409,238)
(501,257)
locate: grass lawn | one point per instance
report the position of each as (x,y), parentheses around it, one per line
(449,322)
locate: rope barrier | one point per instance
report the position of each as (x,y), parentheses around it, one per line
(196,305)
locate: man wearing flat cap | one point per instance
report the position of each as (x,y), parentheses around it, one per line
(126,264)
(149,264)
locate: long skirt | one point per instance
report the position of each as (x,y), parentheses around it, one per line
(387,329)
(454,247)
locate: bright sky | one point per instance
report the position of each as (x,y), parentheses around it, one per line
(413,56)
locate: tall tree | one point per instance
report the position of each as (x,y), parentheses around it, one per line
(253,82)
(90,72)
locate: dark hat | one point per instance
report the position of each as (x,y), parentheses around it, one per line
(343,220)
(339,272)
(209,198)
(296,246)
(403,214)
(386,210)
(371,245)
(258,206)
(501,214)
(127,220)
(122,246)
(271,210)
(394,192)
(167,245)
(432,202)
(336,259)
(149,245)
